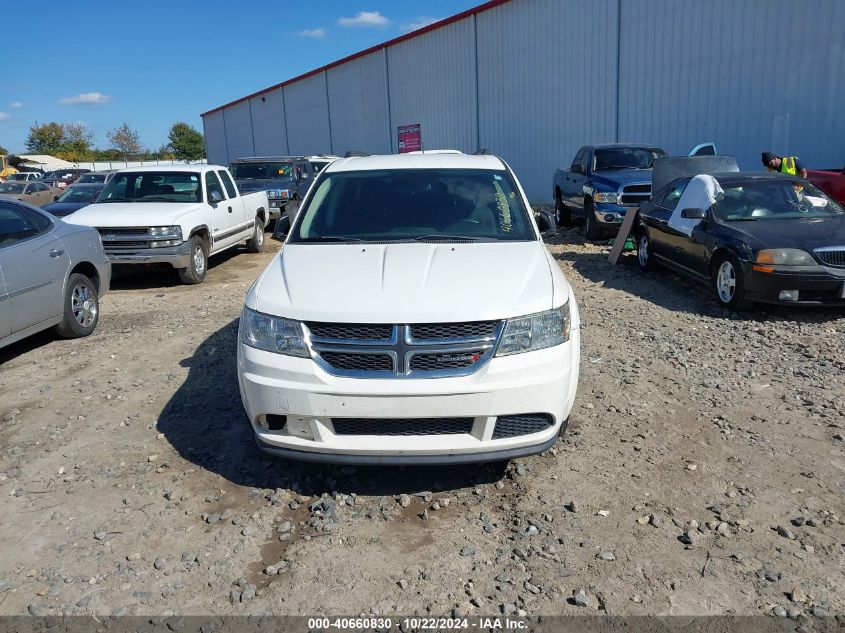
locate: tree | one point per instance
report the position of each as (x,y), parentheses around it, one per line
(186,143)
(3,151)
(76,142)
(126,141)
(45,139)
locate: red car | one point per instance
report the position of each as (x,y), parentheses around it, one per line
(831,181)
(61,178)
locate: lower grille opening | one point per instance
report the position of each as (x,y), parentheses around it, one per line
(516,425)
(402,426)
(276,422)
(358,362)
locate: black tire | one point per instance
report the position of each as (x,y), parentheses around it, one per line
(563,214)
(198,267)
(564,425)
(644,258)
(255,244)
(81,308)
(593,230)
(729,283)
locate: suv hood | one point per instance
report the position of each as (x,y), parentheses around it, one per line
(128,214)
(263,184)
(405,283)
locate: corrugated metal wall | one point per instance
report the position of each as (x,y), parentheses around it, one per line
(360,108)
(533,80)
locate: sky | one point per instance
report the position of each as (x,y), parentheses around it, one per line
(153,63)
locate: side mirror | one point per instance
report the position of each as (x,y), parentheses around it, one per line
(282,228)
(55,198)
(578,168)
(215,197)
(694,214)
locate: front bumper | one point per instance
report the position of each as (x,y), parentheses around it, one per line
(610,215)
(818,285)
(176,256)
(543,382)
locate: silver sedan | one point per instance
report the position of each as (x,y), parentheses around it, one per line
(52,274)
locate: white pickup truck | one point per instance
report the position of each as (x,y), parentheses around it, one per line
(175,214)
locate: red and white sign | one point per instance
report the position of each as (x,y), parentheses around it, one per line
(410,138)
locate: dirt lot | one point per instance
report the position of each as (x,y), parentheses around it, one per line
(704,472)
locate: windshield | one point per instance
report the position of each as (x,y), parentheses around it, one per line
(79,194)
(626,158)
(153,186)
(317,165)
(774,200)
(12,187)
(91,178)
(17,177)
(271,170)
(414,204)
(60,175)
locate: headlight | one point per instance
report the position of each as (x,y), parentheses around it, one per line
(784,257)
(163,243)
(272,334)
(274,193)
(610,198)
(166,231)
(284,193)
(535,331)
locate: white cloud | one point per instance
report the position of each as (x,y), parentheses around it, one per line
(365,18)
(420,23)
(86,98)
(4,116)
(317,34)
(16,104)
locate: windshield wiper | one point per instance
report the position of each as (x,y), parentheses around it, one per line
(447,238)
(332,238)
(114,200)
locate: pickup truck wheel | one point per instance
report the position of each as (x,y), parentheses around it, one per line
(255,244)
(563,214)
(593,230)
(644,259)
(81,308)
(729,284)
(198,267)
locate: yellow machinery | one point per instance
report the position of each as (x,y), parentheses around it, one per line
(5,168)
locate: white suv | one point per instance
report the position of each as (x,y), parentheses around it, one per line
(413,316)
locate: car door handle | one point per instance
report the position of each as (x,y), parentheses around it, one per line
(55,253)
(230,209)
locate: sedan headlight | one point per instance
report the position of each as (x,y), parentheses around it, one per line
(535,331)
(609,198)
(272,334)
(166,231)
(784,257)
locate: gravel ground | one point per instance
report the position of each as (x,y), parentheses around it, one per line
(703,473)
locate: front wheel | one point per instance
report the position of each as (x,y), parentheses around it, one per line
(563,214)
(593,230)
(255,244)
(729,284)
(81,308)
(198,265)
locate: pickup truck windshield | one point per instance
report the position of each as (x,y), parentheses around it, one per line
(774,200)
(626,158)
(153,186)
(261,171)
(414,205)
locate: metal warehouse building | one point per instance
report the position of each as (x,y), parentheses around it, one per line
(533,80)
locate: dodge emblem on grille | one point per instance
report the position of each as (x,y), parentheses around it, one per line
(458,358)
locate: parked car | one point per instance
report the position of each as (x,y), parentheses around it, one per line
(96,177)
(602,184)
(831,181)
(23,176)
(175,214)
(752,237)
(74,198)
(35,192)
(319,161)
(414,315)
(61,178)
(282,177)
(52,274)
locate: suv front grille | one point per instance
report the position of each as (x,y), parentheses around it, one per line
(435,350)
(635,194)
(124,238)
(400,426)
(516,425)
(832,257)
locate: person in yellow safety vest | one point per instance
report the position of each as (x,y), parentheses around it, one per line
(784,164)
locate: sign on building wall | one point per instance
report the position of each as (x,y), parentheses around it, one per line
(410,138)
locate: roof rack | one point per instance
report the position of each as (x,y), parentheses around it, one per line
(352,153)
(481,151)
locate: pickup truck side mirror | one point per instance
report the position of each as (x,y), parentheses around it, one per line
(578,168)
(215,197)
(694,214)
(282,228)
